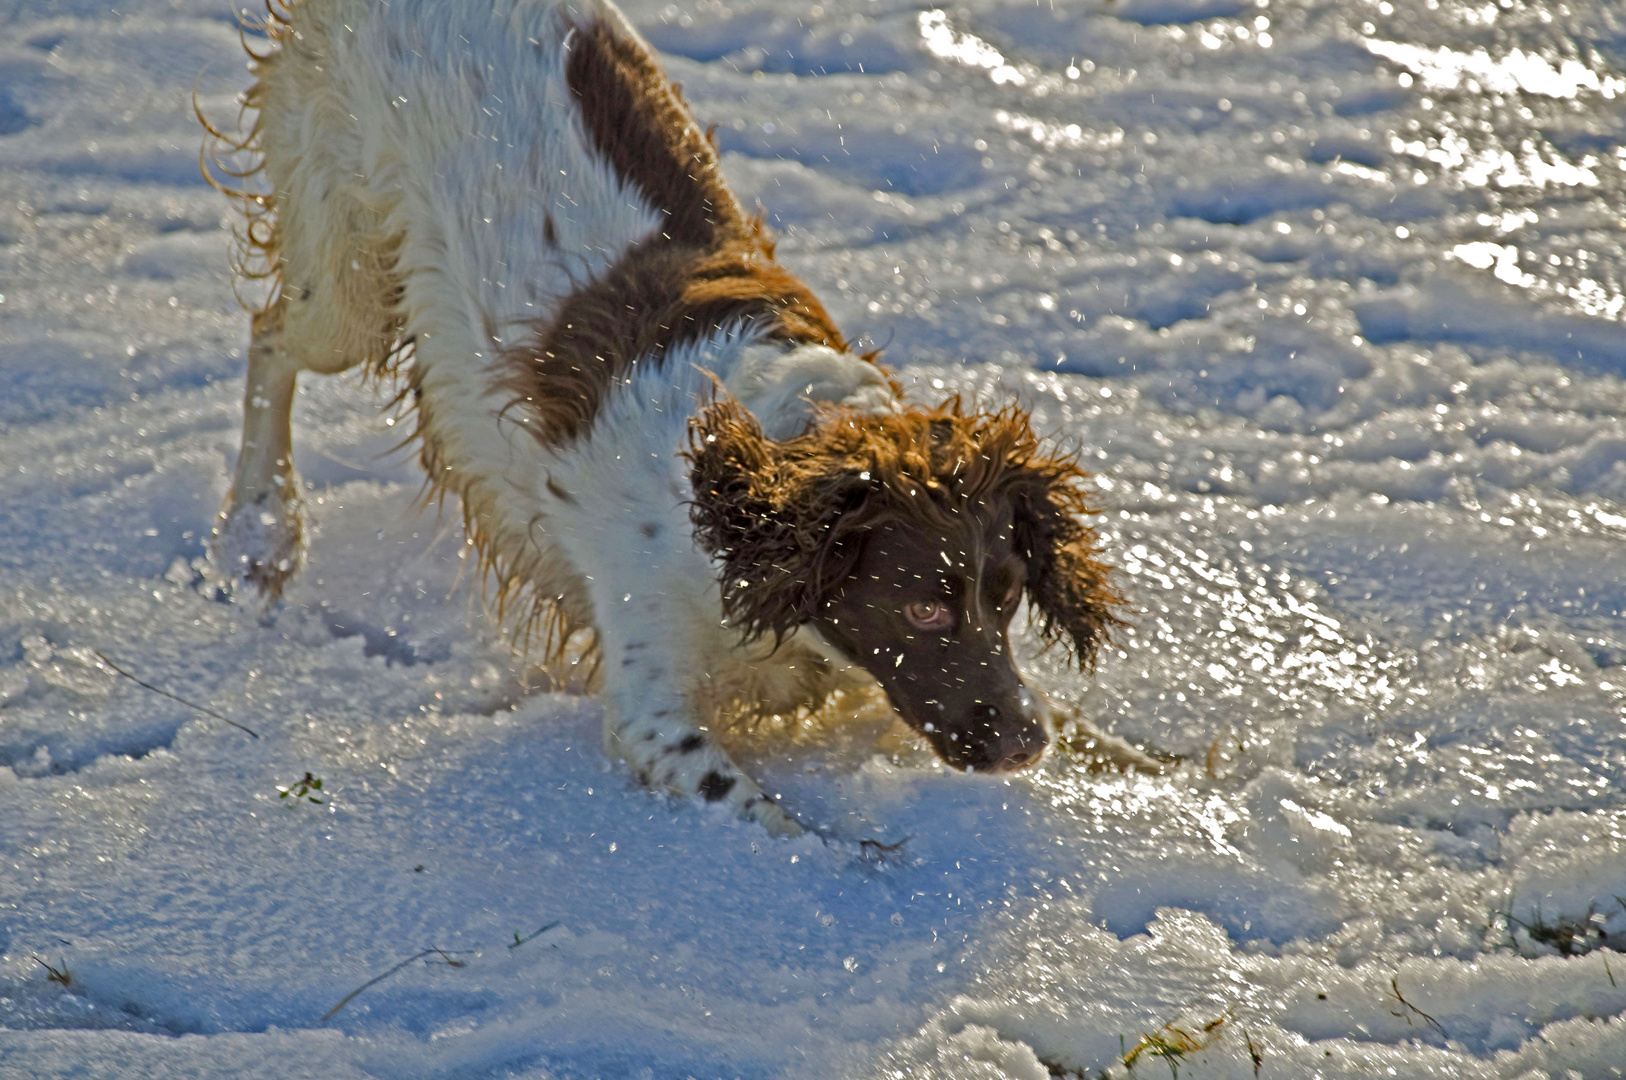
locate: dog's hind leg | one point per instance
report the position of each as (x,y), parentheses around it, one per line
(331,248)
(260,535)
(337,310)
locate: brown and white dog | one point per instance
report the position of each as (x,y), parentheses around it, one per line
(655,431)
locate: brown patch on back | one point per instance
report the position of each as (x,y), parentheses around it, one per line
(637,121)
(710,266)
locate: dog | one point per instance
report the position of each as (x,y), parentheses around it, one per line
(656,433)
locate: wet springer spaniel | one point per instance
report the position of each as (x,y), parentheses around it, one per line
(656,433)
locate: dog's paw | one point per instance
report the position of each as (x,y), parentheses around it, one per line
(1095,750)
(778,823)
(258,546)
(768,814)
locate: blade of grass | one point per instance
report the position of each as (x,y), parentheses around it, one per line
(375,980)
(518,941)
(204,709)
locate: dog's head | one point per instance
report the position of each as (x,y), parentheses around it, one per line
(907,540)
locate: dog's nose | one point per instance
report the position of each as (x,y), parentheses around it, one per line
(1004,743)
(1019,749)
(1016,759)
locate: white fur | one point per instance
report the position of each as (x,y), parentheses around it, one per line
(439,132)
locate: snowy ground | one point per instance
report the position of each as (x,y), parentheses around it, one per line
(1329,293)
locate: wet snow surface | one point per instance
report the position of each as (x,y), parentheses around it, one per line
(1329,294)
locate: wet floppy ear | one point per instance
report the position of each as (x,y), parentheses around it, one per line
(1069,590)
(777,517)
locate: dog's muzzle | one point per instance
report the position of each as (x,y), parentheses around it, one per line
(994,738)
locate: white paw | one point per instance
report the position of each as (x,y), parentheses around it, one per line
(259,544)
(1095,750)
(777,823)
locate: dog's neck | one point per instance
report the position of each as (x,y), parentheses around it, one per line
(782,387)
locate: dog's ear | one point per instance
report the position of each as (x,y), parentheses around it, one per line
(1069,589)
(780,518)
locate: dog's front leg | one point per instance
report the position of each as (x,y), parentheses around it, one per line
(620,518)
(651,668)
(617,506)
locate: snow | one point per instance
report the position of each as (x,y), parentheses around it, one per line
(1328,295)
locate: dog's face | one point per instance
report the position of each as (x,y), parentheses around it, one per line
(927,612)
(907,541)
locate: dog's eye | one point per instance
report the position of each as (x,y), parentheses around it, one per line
(928,614)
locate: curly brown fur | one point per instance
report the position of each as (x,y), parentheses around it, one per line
(787,519)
